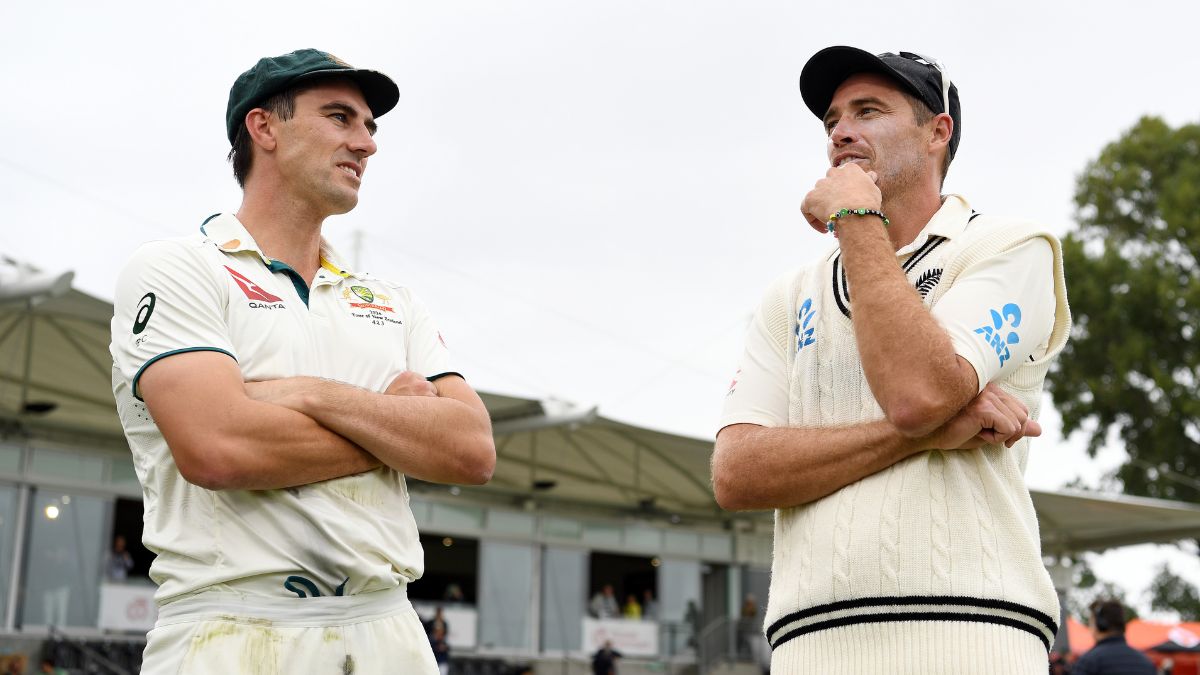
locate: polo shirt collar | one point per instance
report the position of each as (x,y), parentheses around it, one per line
(949,222)
(228,233)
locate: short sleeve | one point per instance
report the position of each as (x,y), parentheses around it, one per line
(166,303)
(758,393)
(1000,312)
(426,350)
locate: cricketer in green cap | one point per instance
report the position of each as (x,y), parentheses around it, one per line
(281,396)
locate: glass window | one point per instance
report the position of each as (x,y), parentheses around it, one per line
(564,589)
(507,522)
(67,547)
(10,459)
(455,518)
(67,465)
(505,590)
(8,532)
(121,472)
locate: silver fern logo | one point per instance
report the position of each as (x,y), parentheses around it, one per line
(805,324)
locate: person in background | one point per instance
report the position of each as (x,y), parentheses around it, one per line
(119,561)
(604,604)
(437,622)
(649,605)
(604,661)
(748,625)
(453,593)
(632,609)
(441,650)
(1111,655)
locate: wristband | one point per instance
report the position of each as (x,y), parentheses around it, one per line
(831,224)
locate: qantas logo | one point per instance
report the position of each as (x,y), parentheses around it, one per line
(252,290)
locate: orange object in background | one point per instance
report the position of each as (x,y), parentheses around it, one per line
(1144,636)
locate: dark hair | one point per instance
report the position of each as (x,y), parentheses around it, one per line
(1108,616)
(922,114)
(283,105)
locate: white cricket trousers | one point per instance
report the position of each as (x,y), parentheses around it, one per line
(213,633)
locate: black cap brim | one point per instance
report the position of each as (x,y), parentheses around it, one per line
(830,67)
(378,90)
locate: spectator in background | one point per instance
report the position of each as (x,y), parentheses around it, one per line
(119,562)
(1111,655)
(748,626)
(649,605)
(437,622)
(632,609)
(453,593)
(604,604)
(604,662)
(692,618)
(441,650)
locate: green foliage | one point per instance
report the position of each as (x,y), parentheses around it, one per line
(1133,362)
(1088,588)
(1171,593)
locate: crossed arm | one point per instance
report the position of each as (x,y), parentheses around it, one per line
(228,434)
(756,467)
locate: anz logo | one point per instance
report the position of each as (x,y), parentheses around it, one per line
(805,324)
(997,334)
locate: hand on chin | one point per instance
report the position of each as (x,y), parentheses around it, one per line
(844,187)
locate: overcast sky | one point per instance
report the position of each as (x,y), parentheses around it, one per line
(591,196)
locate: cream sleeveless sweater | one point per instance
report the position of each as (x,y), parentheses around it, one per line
(934,564)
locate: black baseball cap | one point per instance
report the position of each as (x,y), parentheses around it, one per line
(921,76)
(273,74)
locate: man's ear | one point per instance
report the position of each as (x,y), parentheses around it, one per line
(942,131)
(260,124)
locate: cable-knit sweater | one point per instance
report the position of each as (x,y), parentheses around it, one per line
(932,565)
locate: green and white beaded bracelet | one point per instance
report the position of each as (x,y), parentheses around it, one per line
(831,224)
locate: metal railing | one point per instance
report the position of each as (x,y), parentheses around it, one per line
(90,660)
(729,640)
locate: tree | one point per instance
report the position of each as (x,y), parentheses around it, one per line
(1171,593)
(1133,362)
(1087,588)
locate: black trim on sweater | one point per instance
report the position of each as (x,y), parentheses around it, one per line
(912,616)
(933,242)
(837,292)
(1040,625)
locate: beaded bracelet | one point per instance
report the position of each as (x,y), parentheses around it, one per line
(831,224)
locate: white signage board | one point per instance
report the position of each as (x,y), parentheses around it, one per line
(127,607)
(628,636)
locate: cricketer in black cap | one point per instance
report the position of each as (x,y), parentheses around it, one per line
(883,402)
(278,395)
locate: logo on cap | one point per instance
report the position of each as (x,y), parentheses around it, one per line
(338,61)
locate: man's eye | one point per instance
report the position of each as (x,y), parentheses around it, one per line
(341,117)
(867,111)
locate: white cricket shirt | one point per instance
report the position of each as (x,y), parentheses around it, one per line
(216,291)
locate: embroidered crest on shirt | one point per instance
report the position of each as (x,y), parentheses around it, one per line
(927,281)
(371,308)
(368,298)
(997,334)
(805,324)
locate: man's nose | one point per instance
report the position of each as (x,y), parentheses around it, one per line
(842,133)
(363,142)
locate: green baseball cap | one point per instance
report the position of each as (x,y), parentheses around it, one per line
(273,74)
